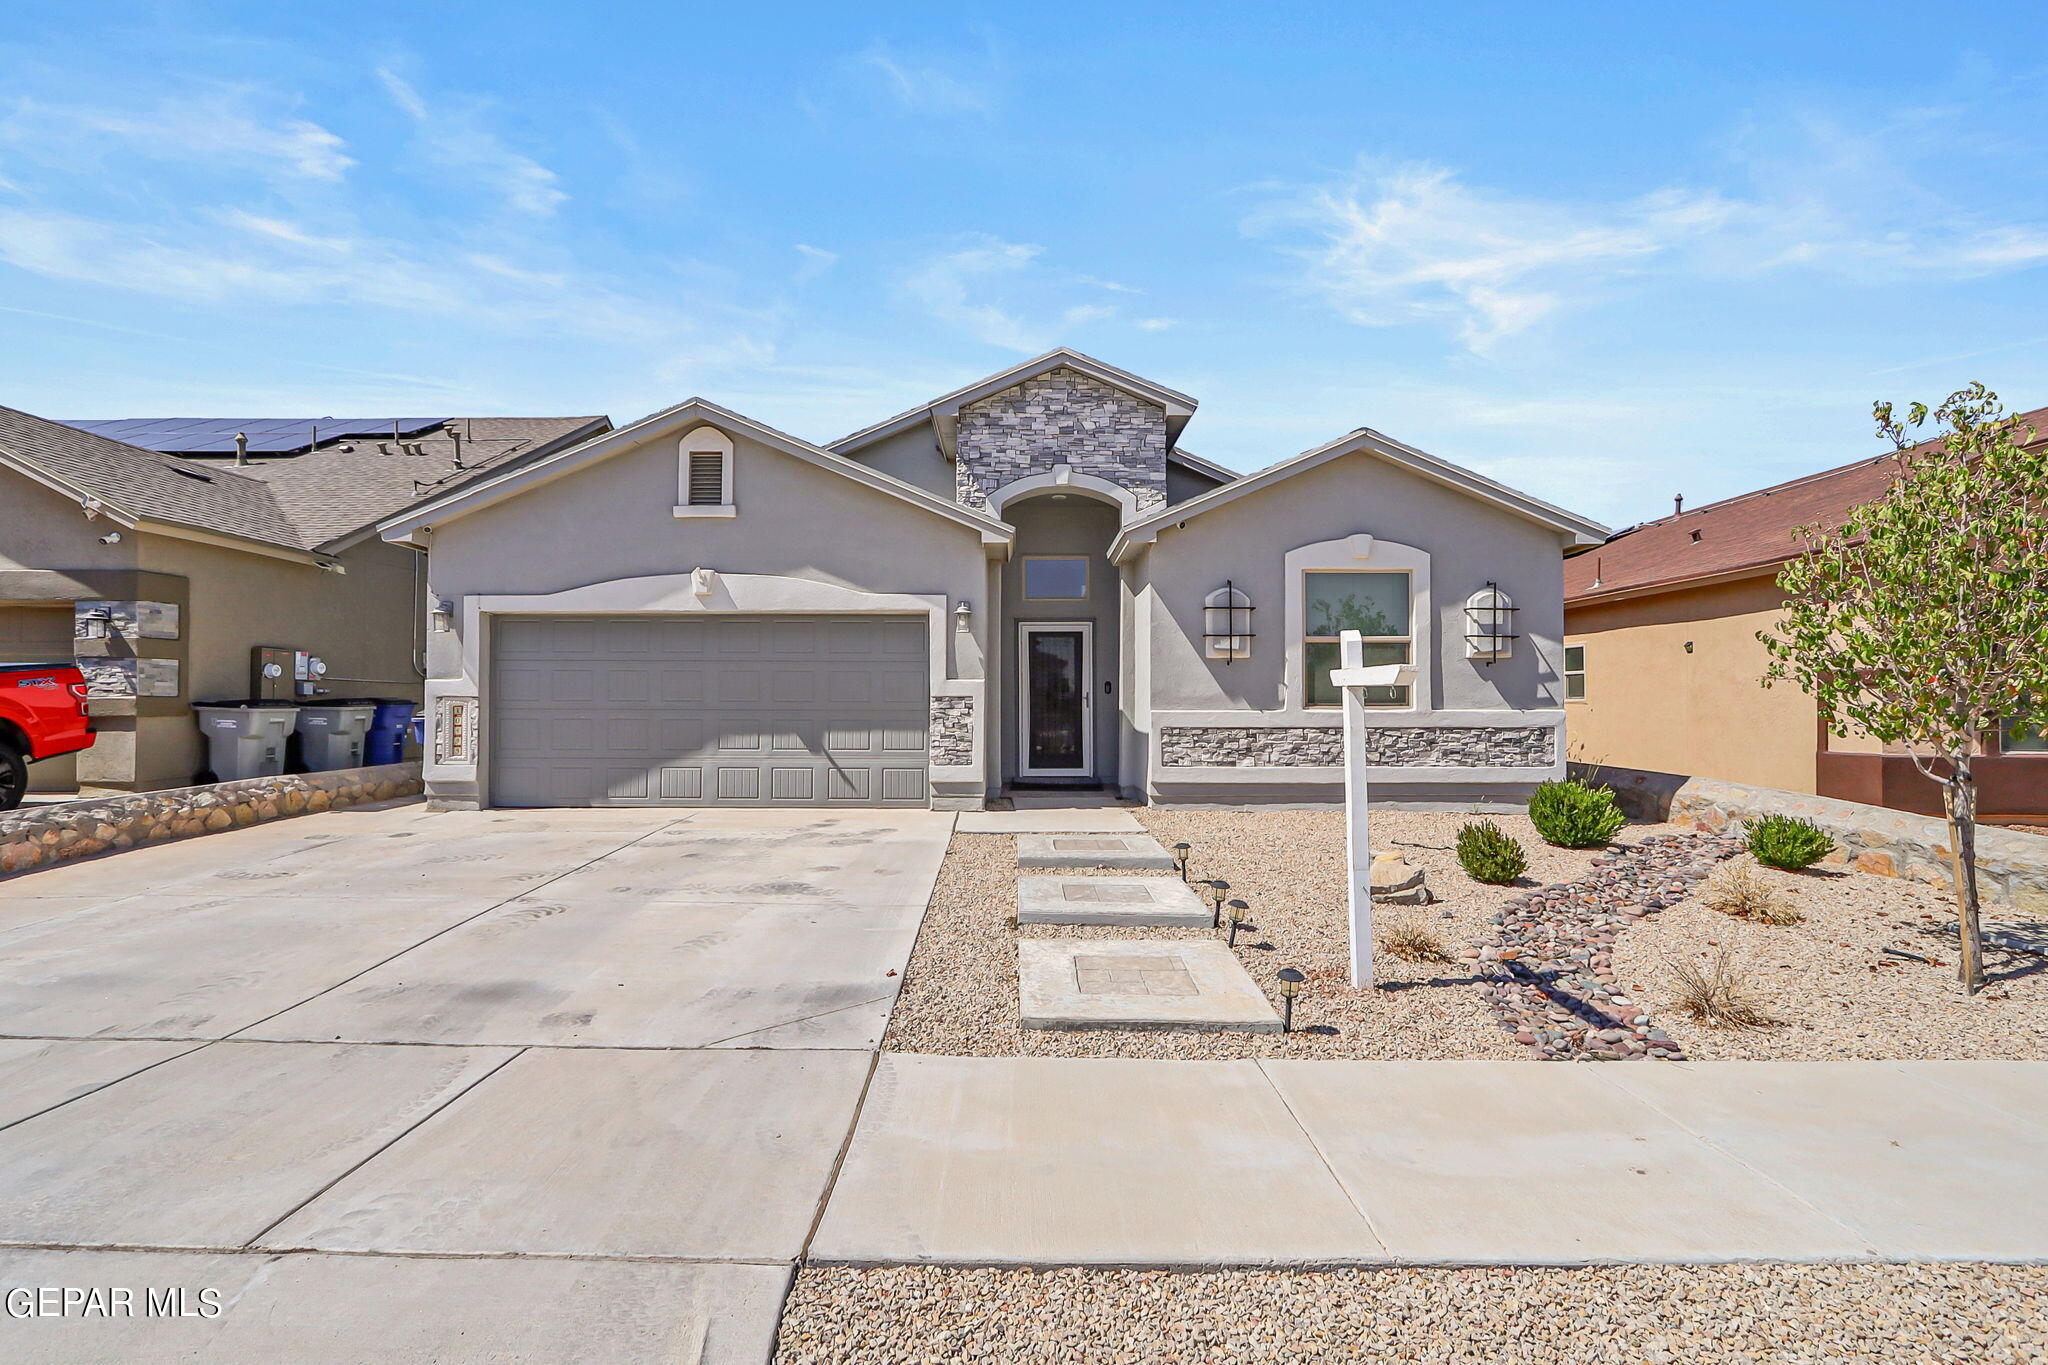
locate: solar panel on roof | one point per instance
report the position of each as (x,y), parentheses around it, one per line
(267,435)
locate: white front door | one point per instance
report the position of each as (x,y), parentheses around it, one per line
(1055,700)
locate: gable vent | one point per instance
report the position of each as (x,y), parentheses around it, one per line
(707,479)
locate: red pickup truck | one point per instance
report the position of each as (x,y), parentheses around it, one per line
(42,715)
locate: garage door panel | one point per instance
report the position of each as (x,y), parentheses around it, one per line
(707,711)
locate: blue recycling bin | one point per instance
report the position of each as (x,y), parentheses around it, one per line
(385,742)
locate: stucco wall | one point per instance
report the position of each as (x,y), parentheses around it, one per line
(1652,704)
(1245,541)
(914,457)
(614,520)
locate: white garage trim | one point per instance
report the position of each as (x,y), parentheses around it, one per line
(699,591)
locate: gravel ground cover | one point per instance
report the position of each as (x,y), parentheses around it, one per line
(1830,983)
(960,993)
(1633,1315)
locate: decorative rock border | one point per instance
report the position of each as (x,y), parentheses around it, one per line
(1550,979)
(44,835)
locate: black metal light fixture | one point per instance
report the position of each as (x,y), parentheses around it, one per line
(1180,859)
(1490,624)
(1238,910)
(1290,986)
(1218,889)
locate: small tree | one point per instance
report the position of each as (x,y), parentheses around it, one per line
(1922,620)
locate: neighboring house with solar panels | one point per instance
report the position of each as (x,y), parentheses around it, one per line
(1027,581)
(160,552)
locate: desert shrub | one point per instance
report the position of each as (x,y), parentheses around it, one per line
(1788,842)
(1738,890)
(1412,942)
(1571,814)
(1489,854)
(1715,993)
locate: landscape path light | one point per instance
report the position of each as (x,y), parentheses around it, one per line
(1218,889)
(1290,986)
(1180,859)
(1238,911)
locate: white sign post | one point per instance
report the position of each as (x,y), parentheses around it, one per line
(1354,677)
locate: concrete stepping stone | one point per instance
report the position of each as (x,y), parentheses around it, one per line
(1194,985)
(1141,902)
(1134,852)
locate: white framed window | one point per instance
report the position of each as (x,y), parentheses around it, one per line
(1379,605)
(1055,578)
(704,474)
(1574,672)
(2017,736)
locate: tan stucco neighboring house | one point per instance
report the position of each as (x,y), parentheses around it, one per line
(1023,583)
(1664,667)
(160,571)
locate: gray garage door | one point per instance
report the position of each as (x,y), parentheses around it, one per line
(709,711)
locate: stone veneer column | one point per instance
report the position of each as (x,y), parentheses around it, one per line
(1061,417)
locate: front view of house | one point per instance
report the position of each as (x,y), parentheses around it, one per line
(1024,583)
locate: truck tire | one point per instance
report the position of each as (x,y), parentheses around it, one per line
(13,776)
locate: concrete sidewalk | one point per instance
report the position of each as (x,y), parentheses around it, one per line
(1054,1161)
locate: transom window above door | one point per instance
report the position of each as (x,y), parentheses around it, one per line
(1377,606)
(1055,578)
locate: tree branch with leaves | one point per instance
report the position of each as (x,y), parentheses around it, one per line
(1922,620)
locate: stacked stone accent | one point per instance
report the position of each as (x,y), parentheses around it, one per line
(1390,746)
(952,732)
(43,835)
(1061,417)
(2012,867)
(1550,979)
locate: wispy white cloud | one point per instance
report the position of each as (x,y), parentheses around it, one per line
(932,84)
(1407,243)
(220,127)
(454,135)
(1396,243)
(1156,324)
(815,261)
(1003,294)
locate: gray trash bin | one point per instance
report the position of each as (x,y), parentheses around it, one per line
(245,738)
(332,734)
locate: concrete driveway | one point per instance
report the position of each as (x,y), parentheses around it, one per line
(498,1085)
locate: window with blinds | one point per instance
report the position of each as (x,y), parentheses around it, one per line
(707,479)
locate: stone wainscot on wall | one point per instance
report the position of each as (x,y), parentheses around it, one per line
(952,739)
(2012,867)
(1391,746)
(39,836)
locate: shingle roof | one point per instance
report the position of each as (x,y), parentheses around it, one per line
(300,502)
(145,482)
(1753,531)
(351,484)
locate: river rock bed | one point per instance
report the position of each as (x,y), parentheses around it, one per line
(1551,980)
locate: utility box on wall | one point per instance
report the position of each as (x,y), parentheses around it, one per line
(270,673)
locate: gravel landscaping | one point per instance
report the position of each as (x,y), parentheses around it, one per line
(1634,1315)
(960,992)
(1826,981)
(1829,983)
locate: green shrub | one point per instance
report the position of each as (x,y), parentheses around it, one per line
(1571,814)
(1489,854)
(1788,842)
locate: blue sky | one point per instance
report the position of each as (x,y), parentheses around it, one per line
(1608,253)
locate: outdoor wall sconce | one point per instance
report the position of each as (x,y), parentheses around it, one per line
(963,615)
(1290,986)
(1180,859)
(1218,889)
(95,623)
(1489,624)
(1238,911)
(442,616)
(1227,623)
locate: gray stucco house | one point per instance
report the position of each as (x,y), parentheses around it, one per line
(1023,582)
